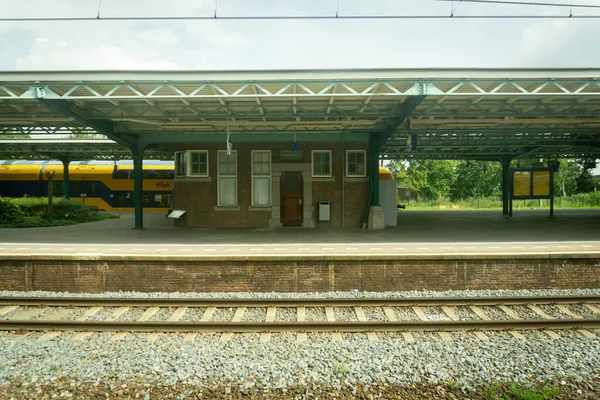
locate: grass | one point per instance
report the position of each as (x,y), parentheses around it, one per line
(518,391)
(586,200)
(542,391)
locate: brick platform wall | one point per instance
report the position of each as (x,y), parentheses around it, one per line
(295,276)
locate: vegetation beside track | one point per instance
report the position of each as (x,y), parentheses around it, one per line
(576,201)
(33,212)
(63,387)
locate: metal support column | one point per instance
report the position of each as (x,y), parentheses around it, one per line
(66,185)
(138,156)
(505,161)
(374,163)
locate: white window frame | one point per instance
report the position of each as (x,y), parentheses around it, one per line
(189,163)
(220,175)
(185,163)
(268,176)
(312,164)
(364,153)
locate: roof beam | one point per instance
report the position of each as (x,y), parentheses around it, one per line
(406,109)
(103,126)
(335,87)
(259,104)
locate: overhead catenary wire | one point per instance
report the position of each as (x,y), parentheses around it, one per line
(337,15)
(523,3)
(291,17)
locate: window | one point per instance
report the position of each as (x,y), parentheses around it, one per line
(191,163)
(227,181)
(261,178)
(321,163)
(356,163)
(180,163)
(198,163)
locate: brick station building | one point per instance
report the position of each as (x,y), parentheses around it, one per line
(271,184)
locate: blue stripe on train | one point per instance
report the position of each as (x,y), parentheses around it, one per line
(92,189)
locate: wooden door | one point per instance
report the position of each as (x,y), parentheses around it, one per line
(291,198)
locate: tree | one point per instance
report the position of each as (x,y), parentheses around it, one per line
(430,178)
(476,179)
(565,180)
(585,182)
(81,133)
(12,133)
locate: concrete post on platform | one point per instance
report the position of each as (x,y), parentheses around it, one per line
(66,185)
(138,184)
(505,161)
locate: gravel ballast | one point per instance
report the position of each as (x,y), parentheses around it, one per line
(284,368)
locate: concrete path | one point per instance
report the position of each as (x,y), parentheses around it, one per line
(418,233)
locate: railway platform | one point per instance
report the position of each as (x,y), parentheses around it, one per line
(433,250)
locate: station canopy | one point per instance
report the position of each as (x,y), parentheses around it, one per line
(446,113)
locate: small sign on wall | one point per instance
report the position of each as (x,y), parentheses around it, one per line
(290,155)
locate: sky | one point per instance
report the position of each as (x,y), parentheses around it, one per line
(292,44)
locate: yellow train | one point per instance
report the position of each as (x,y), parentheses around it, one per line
(105,184)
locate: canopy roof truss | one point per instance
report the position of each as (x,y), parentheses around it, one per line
(455,113)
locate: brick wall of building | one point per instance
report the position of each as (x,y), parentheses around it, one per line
(198,196)
(295,276)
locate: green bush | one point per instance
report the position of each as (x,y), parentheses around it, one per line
(29,212)
(9,211)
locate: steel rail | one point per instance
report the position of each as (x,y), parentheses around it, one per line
(292,302)
(248,327)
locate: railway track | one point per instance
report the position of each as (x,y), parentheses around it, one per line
(443,315)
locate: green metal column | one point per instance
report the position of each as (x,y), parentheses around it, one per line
(375,149)
(505,161)
(66,186)
(138,156)
(373,200)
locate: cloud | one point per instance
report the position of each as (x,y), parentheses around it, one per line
(103,57)
(227,44)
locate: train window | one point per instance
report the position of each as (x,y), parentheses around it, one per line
(163,174)
(161,200)
(356,163)
(123,174)
(128,174)
(57,188)
(120,199)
